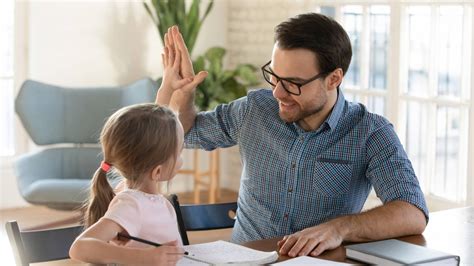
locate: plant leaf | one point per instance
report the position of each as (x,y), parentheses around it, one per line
(208,9)
(169,18)
(221,85)
(158,23)
(215,53)
(234,89)
(227,74)
(180,13)
(172,9)
(193,33)
(192,20)
(215,57)
(199,64)
(247,73)
(148,10)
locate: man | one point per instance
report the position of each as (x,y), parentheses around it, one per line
(309,156)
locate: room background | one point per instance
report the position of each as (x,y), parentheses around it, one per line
(109,43)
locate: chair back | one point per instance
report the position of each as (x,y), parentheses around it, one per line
(53,114)
(59,177)
(42,245)
(196,217)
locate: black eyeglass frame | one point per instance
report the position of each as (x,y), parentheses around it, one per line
(298,85)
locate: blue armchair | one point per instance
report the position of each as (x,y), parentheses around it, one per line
(70,119)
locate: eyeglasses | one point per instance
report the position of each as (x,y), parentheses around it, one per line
(290,86)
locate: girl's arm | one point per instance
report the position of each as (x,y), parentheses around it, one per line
(93,246)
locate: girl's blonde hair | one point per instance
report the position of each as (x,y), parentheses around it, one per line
(135,140)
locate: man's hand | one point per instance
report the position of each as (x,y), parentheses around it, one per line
(172,80)
(174,40)
(184,96)
(186,62)
(393,219)
(312,241)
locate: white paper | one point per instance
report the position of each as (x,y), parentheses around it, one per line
(223,252)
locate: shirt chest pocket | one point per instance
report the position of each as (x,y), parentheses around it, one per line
(332,177)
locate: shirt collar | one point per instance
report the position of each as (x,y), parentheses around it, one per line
(333,118)
(336,112)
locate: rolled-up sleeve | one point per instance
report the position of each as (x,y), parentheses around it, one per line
(218,128)
(390,170)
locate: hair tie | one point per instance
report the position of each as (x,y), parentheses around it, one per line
(105,166)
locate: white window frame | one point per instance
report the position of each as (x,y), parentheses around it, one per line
(8,76)
(20,67)
(470,162)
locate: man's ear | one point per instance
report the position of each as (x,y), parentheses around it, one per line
(334,79)
(156,173)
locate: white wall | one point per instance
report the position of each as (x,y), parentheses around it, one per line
(9,195)
(95,43)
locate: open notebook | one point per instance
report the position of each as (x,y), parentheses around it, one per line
(223,252)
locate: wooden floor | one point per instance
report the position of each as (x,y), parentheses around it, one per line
(34,216)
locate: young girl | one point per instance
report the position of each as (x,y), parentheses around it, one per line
(142,143)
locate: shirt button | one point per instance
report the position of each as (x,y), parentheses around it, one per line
(293,165)
(286,216)
(301,138)
(290,189)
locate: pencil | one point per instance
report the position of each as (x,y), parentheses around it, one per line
(119,235)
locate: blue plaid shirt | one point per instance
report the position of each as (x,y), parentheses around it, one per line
(293,179)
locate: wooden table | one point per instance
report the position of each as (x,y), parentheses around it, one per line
(450,231)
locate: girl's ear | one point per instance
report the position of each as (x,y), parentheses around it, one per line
(156,173)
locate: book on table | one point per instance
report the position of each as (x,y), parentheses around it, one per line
(396,252)
(222,252)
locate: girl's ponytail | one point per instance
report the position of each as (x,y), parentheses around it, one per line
(101,196)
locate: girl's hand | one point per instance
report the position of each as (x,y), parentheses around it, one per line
(164,255)
(171,243)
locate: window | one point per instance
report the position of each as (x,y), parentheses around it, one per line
(367,78)
(434,89)
(7,140)
(416,73)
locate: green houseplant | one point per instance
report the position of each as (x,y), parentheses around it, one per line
(221,85)
(167,13)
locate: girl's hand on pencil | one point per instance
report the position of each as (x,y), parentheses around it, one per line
(171,243)
(164,255)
